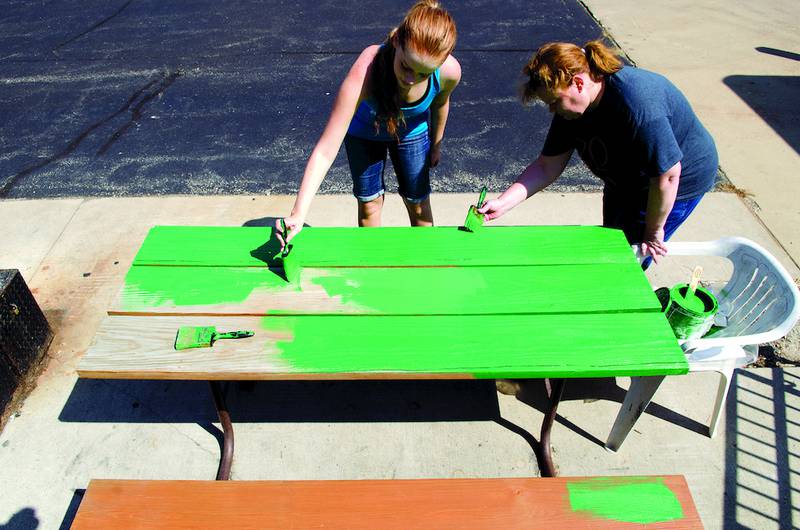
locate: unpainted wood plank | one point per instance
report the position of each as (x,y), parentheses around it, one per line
(507,503)
(386,291)
(386,246)
(375,347)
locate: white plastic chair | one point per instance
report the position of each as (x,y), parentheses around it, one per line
(761,303)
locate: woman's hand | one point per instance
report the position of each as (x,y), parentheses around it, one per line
(293,226)
(653,245)
(492,209)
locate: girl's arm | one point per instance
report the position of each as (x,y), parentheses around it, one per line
(449,76)
(352,91)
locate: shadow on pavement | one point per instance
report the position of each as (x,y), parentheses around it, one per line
(759,450)
(25,519)
(770,96)
(533,393)
(121,401)
(72,509)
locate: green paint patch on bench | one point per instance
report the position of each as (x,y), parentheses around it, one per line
(642,500)
(584,345)
(392,291)
(386,246)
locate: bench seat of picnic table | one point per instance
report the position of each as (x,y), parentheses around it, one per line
(507,503)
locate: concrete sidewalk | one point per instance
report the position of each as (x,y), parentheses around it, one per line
(739,65)
(70,430)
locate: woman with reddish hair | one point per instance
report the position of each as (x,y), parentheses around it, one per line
(384,105)
(632,128)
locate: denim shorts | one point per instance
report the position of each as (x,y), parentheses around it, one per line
(410,159)
(627,212)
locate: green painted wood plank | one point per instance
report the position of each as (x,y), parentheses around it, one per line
(387,246)
(487,346)
(397,347)
(388,291)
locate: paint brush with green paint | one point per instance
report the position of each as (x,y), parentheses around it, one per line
(204,336)
(291,265)
(474,220)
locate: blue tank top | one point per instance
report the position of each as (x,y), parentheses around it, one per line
(416,116)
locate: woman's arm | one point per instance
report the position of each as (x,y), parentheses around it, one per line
(660,199)
(352,91)
(449,76)
(537,176)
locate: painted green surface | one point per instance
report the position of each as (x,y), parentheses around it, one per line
(488,346)
(634,500)
(399,291)
(154,287)
(386,246)
(549,301)
(492,290)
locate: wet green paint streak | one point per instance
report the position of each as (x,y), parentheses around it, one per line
(632,500)
(492,290)
(386,246)
(154,287)
(396,291)
(487,346)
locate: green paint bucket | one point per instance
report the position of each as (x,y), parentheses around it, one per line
(690,317)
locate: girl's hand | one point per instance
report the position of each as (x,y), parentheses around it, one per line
(435,154)
(293,226)
(492,209)
(653,245)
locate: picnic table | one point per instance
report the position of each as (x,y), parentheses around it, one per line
(552,302)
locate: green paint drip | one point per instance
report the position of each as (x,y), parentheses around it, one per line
(633,500)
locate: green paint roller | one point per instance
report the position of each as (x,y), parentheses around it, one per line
(474,220)
(204,336)
(291,265)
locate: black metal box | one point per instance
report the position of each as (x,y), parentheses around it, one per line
(24,334)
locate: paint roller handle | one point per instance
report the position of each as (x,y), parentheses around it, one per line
(234,335)
(694,281)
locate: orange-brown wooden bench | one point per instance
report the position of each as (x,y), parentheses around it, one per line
(497,503)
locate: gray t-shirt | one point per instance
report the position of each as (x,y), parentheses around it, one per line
(642,126)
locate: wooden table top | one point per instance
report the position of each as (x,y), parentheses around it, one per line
(393,303)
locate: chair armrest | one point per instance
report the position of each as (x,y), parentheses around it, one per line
(725,247)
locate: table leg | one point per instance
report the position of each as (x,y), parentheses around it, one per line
(549,469)
(639,394)
(226,458)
